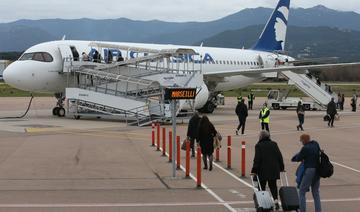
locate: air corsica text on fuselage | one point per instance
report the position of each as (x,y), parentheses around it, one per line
(207,58)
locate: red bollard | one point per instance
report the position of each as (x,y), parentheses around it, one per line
(229,153)
(217,155)
(164,142)
(243,158)
(158,137)
(170,146)
(153,134)
(187,164)
(198,168)
(178,152)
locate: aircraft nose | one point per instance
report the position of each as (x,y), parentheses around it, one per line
(9,75)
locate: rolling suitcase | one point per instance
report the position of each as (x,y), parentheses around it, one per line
(289,195)
(262,199)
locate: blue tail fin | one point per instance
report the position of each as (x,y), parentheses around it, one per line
(274,35)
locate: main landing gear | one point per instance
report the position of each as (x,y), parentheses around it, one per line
(59,110)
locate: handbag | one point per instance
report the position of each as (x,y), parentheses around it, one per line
(217,141)
(183,145)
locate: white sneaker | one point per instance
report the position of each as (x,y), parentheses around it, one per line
(243,134)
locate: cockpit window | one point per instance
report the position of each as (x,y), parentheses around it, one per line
(37,56)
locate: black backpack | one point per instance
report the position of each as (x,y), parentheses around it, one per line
(326,169)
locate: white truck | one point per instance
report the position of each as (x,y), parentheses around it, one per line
(279,100)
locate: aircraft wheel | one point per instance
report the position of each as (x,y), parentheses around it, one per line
(307,107)
(61,112)
(55,111)
(209,107)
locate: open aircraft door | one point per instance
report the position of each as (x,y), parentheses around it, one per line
(66,55)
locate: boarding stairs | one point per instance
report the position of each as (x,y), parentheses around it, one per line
(319,92)
(133,92)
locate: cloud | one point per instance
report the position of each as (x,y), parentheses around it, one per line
(175,10)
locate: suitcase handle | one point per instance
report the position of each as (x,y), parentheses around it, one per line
(256,188)
(286,179)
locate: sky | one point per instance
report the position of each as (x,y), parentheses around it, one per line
(166,10)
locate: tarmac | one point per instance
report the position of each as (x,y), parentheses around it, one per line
(60,164)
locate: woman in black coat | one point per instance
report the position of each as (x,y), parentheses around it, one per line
(192,131)
(268,163)
(206,134)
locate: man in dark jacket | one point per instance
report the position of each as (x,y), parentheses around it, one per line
(242,113)
(268,163)
(192,131)
(251,98)
(331,111)
(309,155)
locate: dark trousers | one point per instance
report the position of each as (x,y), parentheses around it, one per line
(265,126)
(301,121)
(272,185)
(250,105)
(192,146)
(242,122)
(331,120)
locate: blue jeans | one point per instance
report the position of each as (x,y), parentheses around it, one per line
(310,179)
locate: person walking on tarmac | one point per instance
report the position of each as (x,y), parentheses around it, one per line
(331,111)
(264,117)
(300,110)
(251,98)
(206,134)
(192,131)
(242,113)
(309,155)
(268,163)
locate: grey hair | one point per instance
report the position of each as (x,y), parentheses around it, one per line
(264,135)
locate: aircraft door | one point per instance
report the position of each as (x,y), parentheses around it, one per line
(67,57)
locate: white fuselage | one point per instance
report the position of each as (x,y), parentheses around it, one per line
(39,76)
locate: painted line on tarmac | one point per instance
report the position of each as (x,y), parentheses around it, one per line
(103,205)
(233,175)
(346,167)
(211,192)
(97,205)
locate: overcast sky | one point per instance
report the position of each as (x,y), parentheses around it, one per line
(167,10)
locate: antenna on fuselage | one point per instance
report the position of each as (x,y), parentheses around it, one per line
(202,43)
(64,37)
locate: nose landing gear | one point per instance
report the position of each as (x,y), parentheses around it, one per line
(59,110)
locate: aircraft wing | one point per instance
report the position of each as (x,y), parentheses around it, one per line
(296,69)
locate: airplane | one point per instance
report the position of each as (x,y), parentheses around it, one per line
(38,69)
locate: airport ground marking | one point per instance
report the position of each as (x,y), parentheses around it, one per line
(211,192)
(184,204)
(346,167)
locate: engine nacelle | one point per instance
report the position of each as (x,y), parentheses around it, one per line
(202,96)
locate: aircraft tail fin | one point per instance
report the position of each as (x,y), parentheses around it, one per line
(273,36)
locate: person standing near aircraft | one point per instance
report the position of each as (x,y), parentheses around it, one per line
(300,110)
(268,163)
(251,98)
(342,102)
(242,113)
(192,131)
(264,117)
(331,111)
(309,154)
(353,103)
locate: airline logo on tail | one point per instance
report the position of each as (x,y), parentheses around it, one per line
(273,36)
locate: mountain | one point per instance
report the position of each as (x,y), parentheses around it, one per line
(122,29)
(311,42)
